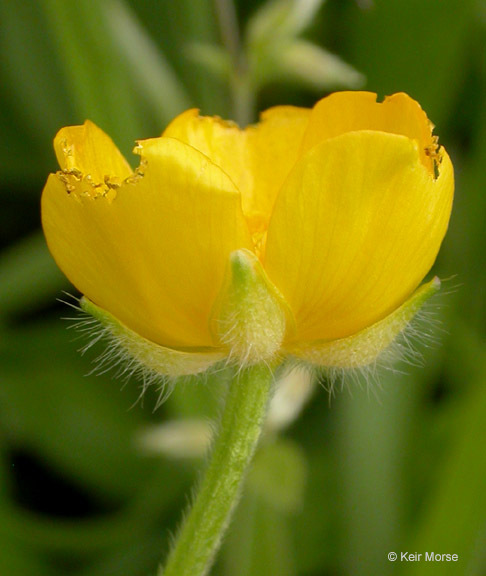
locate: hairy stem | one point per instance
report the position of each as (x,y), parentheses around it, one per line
(205,524)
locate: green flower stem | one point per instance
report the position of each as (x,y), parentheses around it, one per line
(241,425)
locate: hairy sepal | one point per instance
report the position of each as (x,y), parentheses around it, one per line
(367,346)
(168,362)
(250,317)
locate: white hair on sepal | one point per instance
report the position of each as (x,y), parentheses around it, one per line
(129,354)
(115,357)
(423,331)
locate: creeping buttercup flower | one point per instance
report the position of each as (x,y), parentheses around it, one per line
(305,235)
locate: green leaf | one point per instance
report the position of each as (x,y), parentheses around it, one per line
(276,54)
(211,57)
(33,97)
(176,25)
(93,69)
(301,63)
(281,19)
(151,71)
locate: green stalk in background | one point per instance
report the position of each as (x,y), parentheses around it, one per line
(241,88)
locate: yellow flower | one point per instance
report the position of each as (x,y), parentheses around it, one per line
(306,234)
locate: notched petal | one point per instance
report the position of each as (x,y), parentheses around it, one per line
(364,238)
(364,348)
(399,114)
(80,186)
(91,165)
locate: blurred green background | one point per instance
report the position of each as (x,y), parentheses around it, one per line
(399,465)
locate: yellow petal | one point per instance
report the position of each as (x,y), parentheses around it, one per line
(356,227)
(350,111)
(88,150)
(158,359)
(155,255)
(273,149)
(257,159)
(365,347)
(220,140)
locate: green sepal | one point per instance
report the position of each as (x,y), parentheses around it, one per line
(365,347)
(250,317)
(165,361)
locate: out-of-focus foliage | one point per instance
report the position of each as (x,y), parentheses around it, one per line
(395,466)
